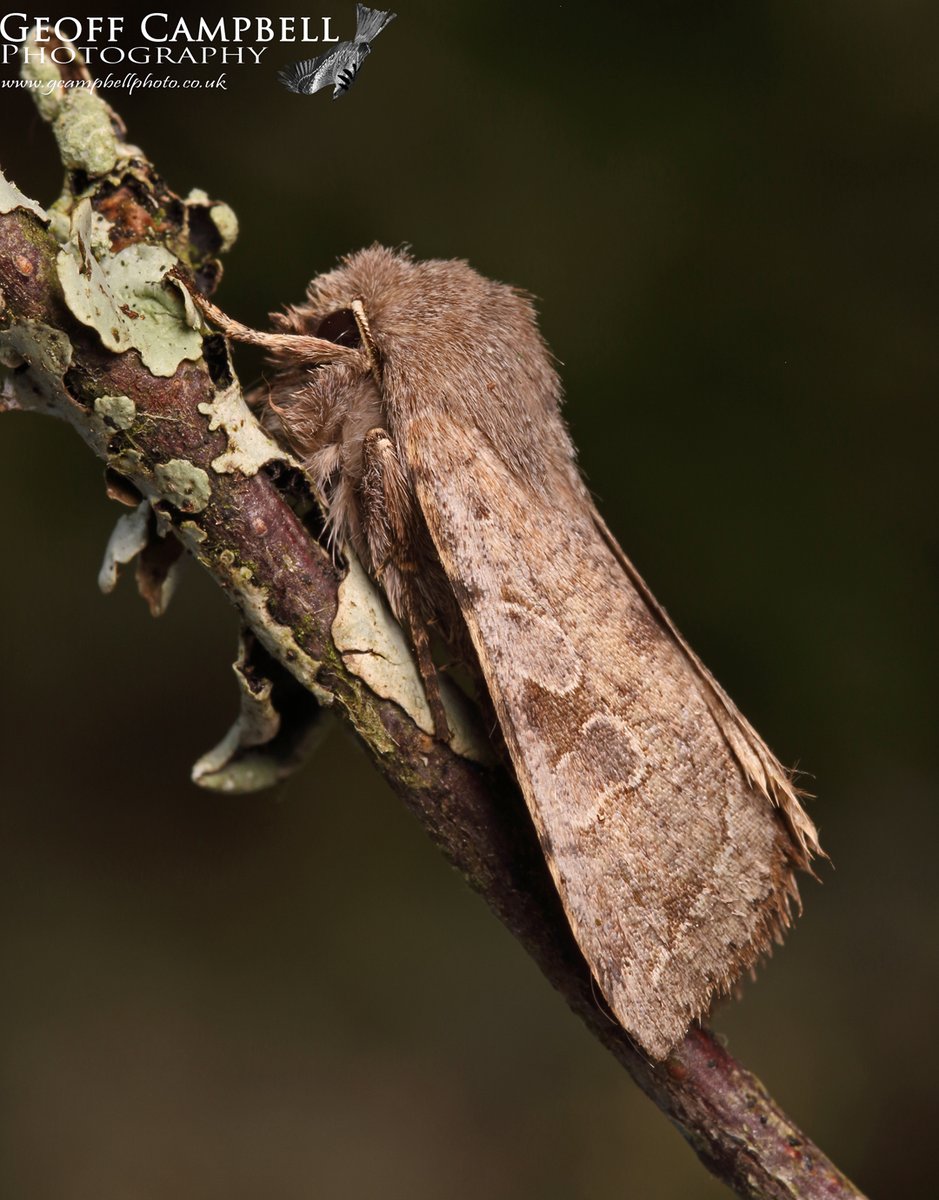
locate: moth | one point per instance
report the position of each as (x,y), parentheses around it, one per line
(425,406)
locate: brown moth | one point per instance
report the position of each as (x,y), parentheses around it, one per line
(425,406)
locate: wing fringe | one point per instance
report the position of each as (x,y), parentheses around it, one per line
(760,766)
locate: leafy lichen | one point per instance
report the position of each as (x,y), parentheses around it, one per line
(264,746)
(45,80)
(48,354)
(82,127)
(128,539)
(279,640)
(11,197)
(183,484)
(81,120)
(225,221)
(249,447)
(374,648)
(124,297)
(119,411)
(193,532)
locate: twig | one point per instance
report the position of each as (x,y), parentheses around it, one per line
(234,503)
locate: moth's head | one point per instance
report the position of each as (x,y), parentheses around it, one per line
(436,324)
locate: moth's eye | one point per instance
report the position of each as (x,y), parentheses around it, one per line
(340,327)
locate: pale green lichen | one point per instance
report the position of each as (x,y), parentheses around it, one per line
(100,235)
(46,82)
(164,522)
(128,539)
(193,532)
(220,214)
(236,766)
(183,484)
(374,648)
(191,315)
(48,353)
(160,331)
(83,123)
(249,447)
(82,128)
(226,768)
(230,770)
(124,297)
(225,221)
(85,284)
(119,411)
(11,197)
(277,639)
(127,462)
(60,225)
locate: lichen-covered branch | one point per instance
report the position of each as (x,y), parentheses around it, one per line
(93,332)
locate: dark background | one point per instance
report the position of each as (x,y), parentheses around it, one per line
(728,213)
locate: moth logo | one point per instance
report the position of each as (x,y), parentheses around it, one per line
(337,68)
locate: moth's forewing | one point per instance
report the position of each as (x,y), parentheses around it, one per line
(675,871)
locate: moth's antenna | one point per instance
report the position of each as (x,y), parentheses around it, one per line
(365,333)
(317,349)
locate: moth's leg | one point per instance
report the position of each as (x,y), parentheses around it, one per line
(387,513)
(390,527)
(420,640)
